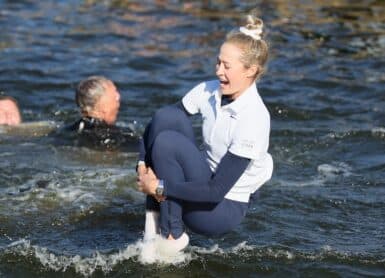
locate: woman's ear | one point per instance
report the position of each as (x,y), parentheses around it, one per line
(253,70)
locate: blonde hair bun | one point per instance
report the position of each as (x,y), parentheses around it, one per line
(251,41)
(253,28)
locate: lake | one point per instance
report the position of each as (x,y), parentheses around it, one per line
(70,211)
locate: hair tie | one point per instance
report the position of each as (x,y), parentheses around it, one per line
(254,33)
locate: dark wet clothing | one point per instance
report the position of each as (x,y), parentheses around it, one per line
(97,134)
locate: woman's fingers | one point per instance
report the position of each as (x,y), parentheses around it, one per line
(140,184)
(142,169)
(146,182)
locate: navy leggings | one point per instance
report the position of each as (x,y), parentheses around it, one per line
(172,153)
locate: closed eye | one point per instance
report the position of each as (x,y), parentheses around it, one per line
(226,65)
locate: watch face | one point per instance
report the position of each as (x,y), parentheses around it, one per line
(159,191)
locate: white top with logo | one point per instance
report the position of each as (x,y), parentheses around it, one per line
(241,127)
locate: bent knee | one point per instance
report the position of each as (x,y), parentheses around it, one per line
(165,141)
(170,117)
(167,113)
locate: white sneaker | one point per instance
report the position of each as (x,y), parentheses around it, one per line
(151,226)
(178,244)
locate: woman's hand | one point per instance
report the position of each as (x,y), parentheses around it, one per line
(141,170)
(147,182)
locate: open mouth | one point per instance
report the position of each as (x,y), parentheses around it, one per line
(223,82)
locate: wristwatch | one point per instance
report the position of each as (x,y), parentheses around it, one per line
(160,188)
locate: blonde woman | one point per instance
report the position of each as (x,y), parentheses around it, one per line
(208,190)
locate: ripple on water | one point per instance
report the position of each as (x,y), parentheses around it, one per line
(77,212)
(270,259)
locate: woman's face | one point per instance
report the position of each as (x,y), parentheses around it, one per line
(233,76)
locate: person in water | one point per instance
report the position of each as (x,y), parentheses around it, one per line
(209,190)
(9,111)
(12,124)
(99,100)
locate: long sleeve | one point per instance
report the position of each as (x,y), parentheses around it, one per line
(142,150)
(228,172)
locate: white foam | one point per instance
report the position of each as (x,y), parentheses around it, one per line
(145,252)
(3,154)
(153,252)
(334,170)
(137,252)
(272,253)
(378,132)
(316,182)
(326,172)
(215,249)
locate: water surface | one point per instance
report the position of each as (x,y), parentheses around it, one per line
(74,212)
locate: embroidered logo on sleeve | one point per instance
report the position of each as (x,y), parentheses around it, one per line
(247,144)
